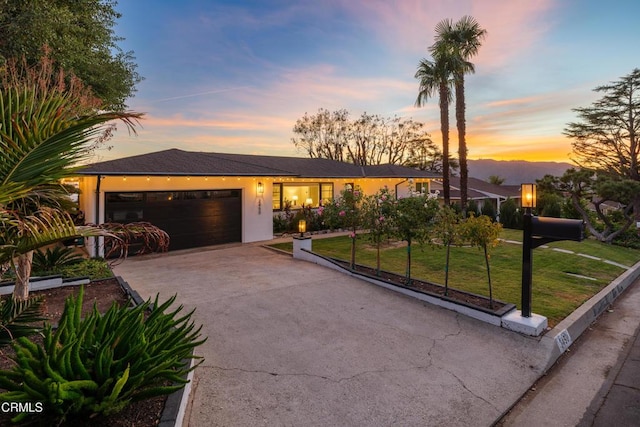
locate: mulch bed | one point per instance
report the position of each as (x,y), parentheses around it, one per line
(427,287)
(103,293)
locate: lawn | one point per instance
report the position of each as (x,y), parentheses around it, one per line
(556,290)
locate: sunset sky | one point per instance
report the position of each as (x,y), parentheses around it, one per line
(234,76)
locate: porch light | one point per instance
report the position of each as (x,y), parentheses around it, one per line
(302,227)
(528,195)
(260,189)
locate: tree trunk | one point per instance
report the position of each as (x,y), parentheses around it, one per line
(23,273)
(408,271)
(486,258)
(444,129)
(353,249)
(446,272)
(462,143)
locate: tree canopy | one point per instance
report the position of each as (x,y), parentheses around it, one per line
(368,140)
(605,146)
(79,36)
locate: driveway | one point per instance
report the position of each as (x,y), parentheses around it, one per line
(294,344)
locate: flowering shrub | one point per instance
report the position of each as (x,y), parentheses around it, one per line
(377,217)
(346,213)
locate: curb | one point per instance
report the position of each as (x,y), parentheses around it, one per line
(560,338)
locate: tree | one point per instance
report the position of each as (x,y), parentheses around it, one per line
(606,147)
(81,38)
(369,140)
(346,212)
(46,127)
(496,180)
(446,230)
(435,77)
(458,43)
(377,216)
(412,217)
(482,232)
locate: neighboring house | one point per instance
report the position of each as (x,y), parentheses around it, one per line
(205,199)
(480,191)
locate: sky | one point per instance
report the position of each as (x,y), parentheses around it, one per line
(234,76)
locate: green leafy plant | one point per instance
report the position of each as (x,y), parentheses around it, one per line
(481,232)
(102,363)
(94,268)
(17,318)
(446,230)
(377,218)
(53,259)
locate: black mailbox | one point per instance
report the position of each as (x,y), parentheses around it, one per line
(557,228)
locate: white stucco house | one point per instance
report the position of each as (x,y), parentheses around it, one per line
(203,198)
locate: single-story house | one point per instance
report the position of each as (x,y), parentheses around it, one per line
(205,199)
(479,191)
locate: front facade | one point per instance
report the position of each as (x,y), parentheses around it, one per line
(203,199)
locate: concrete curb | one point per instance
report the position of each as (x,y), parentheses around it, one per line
(568,330)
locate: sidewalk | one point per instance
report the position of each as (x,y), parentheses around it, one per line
(595,383)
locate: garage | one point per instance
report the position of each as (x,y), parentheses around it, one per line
(191,218)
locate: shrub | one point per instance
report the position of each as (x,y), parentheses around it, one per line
(54,259)
(98,365)
(94,268)
(510,217)
(488,209)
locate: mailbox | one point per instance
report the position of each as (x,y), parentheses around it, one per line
(557,228)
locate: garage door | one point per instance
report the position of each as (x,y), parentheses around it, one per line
(191,218)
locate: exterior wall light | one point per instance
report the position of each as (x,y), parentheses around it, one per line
(529,195)
(260,189)
(302,227)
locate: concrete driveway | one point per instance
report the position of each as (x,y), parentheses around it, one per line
(294,344)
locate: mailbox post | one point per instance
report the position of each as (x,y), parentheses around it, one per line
(528,203)
(538,231)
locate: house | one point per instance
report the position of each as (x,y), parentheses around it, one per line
(203,199)
(480,191)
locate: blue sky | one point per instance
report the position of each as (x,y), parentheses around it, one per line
(234,76)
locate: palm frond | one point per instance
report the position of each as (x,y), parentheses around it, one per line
(17,318)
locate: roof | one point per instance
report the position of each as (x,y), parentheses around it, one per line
(180,162)
(478,189)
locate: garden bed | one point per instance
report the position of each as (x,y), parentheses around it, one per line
(145,413)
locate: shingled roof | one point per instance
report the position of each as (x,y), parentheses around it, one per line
(179,162)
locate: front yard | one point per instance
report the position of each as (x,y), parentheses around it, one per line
(561,281)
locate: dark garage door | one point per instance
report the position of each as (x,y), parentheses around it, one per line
(191,218)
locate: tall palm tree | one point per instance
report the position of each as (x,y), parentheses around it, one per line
(435,77)
(459,42)
(45,129)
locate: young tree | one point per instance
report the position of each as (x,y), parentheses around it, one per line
(346,212)
(446,231)
(377,216)
(459,42)
(482,232)
(412,218)
(81,38)
(606,147)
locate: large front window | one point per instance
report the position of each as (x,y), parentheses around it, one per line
(299,195)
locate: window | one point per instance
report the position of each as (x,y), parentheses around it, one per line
(277,197)
(422,187)
(299,195)
(326,193)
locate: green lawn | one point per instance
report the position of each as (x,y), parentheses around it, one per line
(556,293)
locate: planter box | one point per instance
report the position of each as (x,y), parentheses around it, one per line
(484,314)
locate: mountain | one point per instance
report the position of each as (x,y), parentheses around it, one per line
(515,171)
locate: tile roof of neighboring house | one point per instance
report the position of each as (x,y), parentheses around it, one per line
(478,189)
(179,162)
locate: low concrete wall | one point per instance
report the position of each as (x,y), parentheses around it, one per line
(569,329)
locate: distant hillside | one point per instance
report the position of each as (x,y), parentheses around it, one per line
(515,171)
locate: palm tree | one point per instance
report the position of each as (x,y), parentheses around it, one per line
(435,76)
(459,42)
(46,128)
